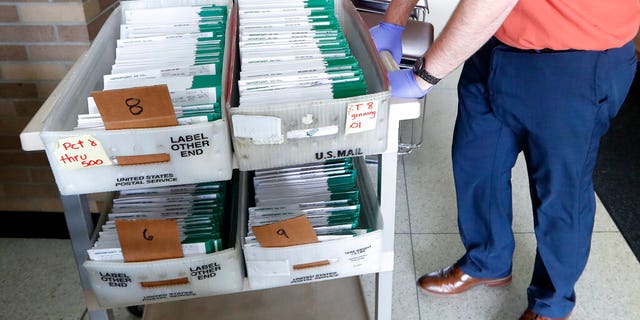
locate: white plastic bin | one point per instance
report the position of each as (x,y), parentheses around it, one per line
(274,267)
(189,162)
(121,283)
(329,115)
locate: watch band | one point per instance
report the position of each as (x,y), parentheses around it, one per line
(418,69)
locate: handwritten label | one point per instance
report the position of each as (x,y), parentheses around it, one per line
(148,240)
(81,152)
(361,116)
(286,233)
(140,107)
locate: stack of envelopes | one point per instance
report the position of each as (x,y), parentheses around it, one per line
(182,47)
(294,50)
(197,208)
(327,194)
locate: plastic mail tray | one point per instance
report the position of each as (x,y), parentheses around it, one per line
(120,284)
(316,116)
(363,254)
(198,152)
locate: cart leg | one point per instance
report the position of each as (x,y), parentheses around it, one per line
(78,216)
(387,173)
(101,315)
(384,295)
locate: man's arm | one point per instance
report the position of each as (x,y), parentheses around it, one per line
(399,11)
(472,23)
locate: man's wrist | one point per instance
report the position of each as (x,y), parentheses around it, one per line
(396,21)
(422,74)
(421,83)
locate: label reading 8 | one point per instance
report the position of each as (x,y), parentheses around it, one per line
(134,106)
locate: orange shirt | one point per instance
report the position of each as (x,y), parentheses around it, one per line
(571,24)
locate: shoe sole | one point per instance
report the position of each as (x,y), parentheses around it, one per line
(489,283)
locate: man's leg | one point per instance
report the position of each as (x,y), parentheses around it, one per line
(484,152)
(565,101)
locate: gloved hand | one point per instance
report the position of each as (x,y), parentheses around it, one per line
(404,85)
(388,36)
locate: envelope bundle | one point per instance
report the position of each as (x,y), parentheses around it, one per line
(182,47)
(326,193)
(294,51)
(197,208)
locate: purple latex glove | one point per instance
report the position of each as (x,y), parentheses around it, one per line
(404,85)
(388,36)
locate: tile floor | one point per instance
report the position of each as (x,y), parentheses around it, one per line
(39,281)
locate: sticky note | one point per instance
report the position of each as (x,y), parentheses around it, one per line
(81,152)
(361,116)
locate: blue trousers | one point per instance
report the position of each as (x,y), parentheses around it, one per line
(554,106)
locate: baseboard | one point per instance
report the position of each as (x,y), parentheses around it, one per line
(48,225)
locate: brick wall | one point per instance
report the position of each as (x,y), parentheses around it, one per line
(39,42)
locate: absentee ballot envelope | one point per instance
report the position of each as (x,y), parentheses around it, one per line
(192,13)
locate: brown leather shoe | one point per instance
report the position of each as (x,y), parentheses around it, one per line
(451,280)
(530,315)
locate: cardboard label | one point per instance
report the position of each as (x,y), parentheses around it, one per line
(143,159)
(311,265)
(285,233)
(148,240)
(140,107)
(81,152)
(361,116)
(164,283)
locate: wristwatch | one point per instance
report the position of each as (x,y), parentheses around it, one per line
(418,69)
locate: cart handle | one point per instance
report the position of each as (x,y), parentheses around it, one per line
(388,62)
